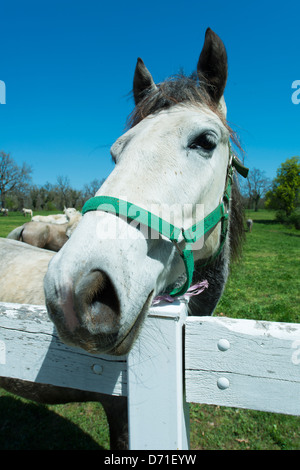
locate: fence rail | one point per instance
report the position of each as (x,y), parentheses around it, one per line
(243,363)
(176,360)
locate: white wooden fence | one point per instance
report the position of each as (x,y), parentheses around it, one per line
(176,360)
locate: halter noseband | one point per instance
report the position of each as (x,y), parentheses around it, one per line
(191,235)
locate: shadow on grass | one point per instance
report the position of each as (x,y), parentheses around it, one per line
(291,234)
(265,221)
(27,426)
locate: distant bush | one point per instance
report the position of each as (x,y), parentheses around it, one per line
(290,220)
(50,206)
(295,219)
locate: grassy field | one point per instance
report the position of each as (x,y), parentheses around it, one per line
(264,285)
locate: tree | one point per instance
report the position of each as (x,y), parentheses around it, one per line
(12,176)
(66,196)
(284,194)
(63,188)
(256,186)
(89,190)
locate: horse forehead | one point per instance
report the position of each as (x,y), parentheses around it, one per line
(170,123)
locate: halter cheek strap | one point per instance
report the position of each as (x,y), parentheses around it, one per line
(174,234)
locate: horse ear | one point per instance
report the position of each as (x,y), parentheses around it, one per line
(212,65)
(142,81)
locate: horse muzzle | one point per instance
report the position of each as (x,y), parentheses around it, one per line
(87,313)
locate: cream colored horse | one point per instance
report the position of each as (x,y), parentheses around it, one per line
(22,271)
(51,236)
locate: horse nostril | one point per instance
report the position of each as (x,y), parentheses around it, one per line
(103,292)
(98,303)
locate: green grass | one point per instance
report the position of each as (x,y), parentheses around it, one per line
(263,286)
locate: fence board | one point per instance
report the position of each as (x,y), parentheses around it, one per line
(31,350)
(239,363)
(243,363)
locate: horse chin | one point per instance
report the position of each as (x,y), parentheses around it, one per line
(124,346)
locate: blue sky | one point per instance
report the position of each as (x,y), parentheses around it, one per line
(68,68)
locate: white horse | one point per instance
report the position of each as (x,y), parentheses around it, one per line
(22,271)
(70,211)
(101,284)
(59,219)
(27,211)
(249,224)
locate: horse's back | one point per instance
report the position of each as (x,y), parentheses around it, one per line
(22,272)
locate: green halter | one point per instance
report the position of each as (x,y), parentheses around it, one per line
(191,235)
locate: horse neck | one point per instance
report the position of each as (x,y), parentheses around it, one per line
(216,274)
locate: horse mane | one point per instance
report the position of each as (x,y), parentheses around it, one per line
(174,90)
(189,90)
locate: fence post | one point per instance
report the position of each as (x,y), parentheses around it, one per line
(157,410)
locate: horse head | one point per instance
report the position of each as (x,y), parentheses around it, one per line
(174,160)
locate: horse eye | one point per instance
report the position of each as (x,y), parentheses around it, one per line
(204,141)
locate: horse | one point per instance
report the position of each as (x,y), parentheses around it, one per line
(70,211)
(64,218)
(51,236)
(175,153)
(22,271)
(50,219)
(73,218)
(27,211)
(25,266)
(249,224)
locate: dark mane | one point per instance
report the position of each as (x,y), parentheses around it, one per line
(237,218)
(182,89)
(174,90)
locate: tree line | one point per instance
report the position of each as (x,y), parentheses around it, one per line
(281,194)
(17,189)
